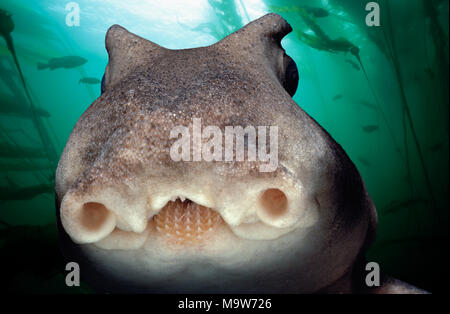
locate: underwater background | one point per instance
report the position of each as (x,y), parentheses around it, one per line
(387,105)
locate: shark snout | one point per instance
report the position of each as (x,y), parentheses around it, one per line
(184,212)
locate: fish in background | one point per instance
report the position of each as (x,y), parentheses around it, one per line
(353,64)
(10,107)
(67,62)
(320,40)
(337,97)
(89,80)
(370,128)
(367,104)
(317,38)
(15,151)
(7,26)
(364,161)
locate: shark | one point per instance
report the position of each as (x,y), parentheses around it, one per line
(138,220)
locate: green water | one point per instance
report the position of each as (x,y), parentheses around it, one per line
(393,123)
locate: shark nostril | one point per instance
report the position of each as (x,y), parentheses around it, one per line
(274,203)
(93,216)
(86,222)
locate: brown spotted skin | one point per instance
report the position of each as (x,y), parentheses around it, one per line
(118,155)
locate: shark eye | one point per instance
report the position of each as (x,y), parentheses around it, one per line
(102,90)
(290,76)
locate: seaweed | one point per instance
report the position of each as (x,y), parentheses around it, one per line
(440,44)
(13,151)
(227,19)
(355,52)
(6,28)
(392,46)
(321,41)
(24,160)
(14,192)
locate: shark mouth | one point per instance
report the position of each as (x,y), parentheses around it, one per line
(185,222)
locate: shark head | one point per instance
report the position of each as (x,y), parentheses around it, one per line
(290,213)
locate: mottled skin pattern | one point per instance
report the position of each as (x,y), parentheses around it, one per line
(118,155)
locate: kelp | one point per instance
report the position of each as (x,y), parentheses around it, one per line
(407,117)
(319,40)
(12,192)
(15,151)
(227,19)
(6,28)
(440,43)
(11,106)
(5,137)
(335,30)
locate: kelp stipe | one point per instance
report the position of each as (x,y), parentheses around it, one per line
(6,28)
(390,41)
(321,41)
(227,19)
(355,52)
(441,47)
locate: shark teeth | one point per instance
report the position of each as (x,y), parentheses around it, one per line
(186,222)
(181,198)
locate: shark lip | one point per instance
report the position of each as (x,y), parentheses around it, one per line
(185,222)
